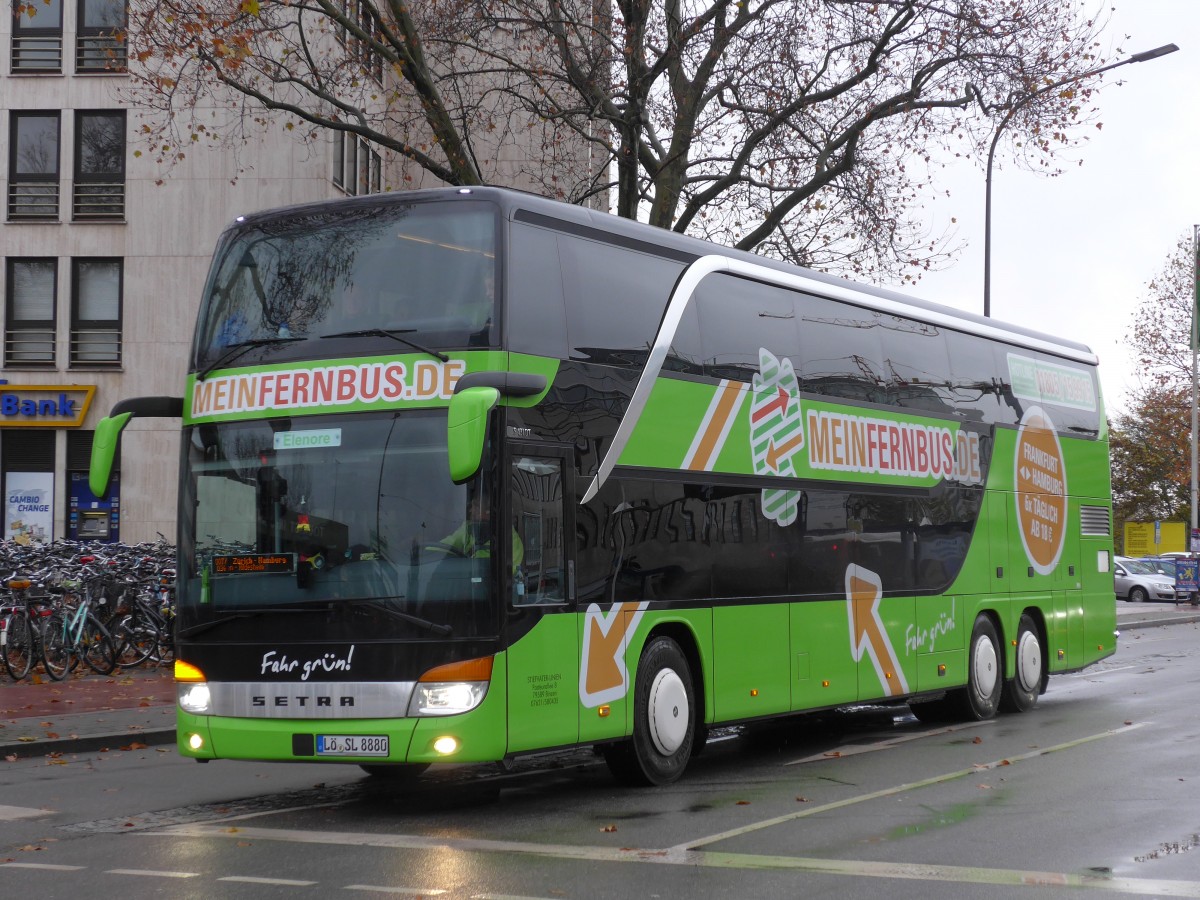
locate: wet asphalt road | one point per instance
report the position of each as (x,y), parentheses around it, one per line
(1096,792)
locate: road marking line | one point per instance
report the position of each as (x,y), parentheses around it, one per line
(686,854)
(1095,673)
(972,875)
(898,789)
(9,813)
(152,873)
(414,892)
(855,749)
(1142,887)
(251,879)
(49,866)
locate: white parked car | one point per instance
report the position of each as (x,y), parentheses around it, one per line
(1139,580)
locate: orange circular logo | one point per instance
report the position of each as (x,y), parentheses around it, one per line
(1041,480)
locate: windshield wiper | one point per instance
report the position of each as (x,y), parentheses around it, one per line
(396,334)
(426,624)
(235,350)
(194,630)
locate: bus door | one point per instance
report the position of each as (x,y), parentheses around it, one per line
(1066,629)
(543,659)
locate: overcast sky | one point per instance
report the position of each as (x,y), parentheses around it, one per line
(1072,255)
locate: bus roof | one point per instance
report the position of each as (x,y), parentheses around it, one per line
(515,204)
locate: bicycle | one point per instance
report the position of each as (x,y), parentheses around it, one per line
(142,634)
(72,634)
(21,638)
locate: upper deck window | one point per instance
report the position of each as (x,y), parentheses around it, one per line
(426,271)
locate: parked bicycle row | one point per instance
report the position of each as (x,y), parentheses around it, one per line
(103,605)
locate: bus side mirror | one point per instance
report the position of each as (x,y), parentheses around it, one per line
(105,441)
(466,430)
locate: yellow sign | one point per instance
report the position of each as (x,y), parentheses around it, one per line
(1153,538)
(44,405)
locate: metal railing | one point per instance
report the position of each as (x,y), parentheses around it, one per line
(37,54)
(29,346)
(91,200)
(100,53)
(96,347)
(33,200)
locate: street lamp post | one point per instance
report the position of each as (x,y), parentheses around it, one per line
(1017,105)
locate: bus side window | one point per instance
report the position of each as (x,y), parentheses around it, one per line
(533,302)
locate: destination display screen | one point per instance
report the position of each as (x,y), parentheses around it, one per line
(254,563)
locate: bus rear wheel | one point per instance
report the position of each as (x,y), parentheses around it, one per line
(985,674)
(1021,693)
(664,729)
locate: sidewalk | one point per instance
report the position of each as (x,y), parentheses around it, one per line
(136,707)
(127,710)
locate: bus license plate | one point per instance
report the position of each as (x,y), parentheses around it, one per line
(352,745)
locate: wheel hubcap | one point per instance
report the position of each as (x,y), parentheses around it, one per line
(1029,661)
(668,710)
(985,671)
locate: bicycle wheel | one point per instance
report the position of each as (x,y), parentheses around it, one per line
(17,641)
(96,646)
(56,647)
(135,641)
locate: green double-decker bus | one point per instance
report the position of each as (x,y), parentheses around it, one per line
(467,474)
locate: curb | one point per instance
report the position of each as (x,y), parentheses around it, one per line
(89,743)
(1157,623)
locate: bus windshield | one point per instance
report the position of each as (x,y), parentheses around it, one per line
(425,271)
(348,512)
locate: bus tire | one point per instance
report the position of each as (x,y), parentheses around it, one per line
(933,712)
(1021,693)
(664,728)
(985,674)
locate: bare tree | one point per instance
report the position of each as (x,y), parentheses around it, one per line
(807,129)
(1150,443)
(1162,327)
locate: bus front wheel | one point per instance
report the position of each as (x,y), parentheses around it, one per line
(396,773)
(664,729)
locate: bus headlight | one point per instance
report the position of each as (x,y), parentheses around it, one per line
(447,698)
(195,699)
(452,689)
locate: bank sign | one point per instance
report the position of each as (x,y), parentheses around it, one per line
(44,405)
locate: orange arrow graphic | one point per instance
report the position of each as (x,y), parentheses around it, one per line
(774,454)
(604,677)
(864,590)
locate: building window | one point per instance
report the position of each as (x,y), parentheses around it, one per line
(100,38)
(365,16)
(37,38)
(96,289)
(32,285)
(33,165)
(99,166)
(357,167)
